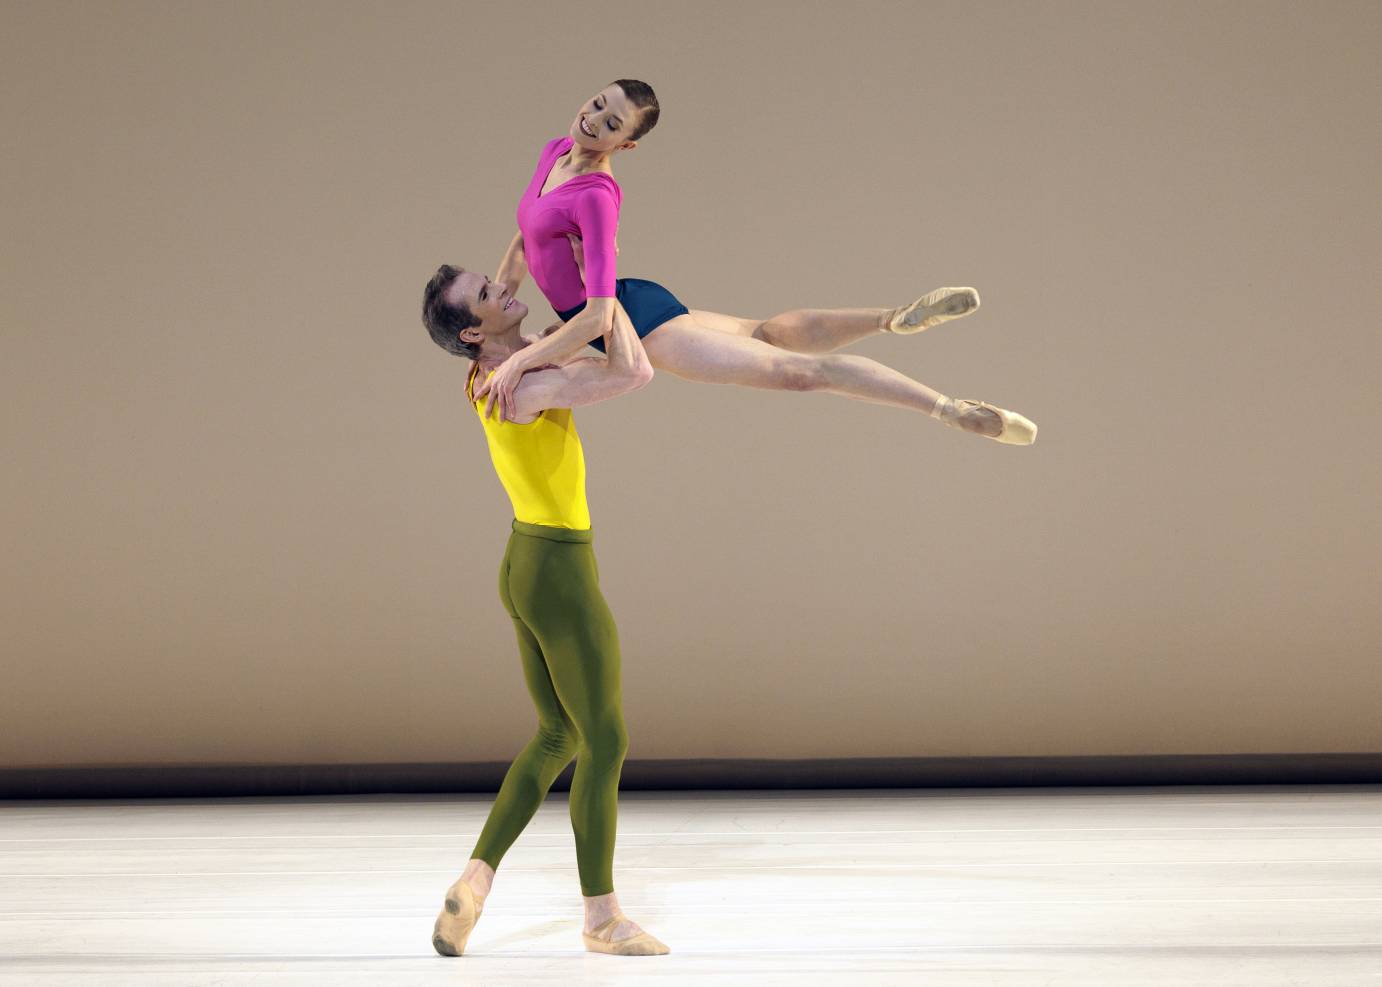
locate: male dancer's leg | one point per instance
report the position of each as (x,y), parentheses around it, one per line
(557,594)
(551,749)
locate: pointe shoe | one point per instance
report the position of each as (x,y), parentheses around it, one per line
(934,308)
(1017,429)
(457,919)
(643,944)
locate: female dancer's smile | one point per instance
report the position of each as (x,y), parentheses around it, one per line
(600,122)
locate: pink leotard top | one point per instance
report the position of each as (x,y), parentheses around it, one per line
(587,206)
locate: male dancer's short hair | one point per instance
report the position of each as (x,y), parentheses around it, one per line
(641,95)
(445,320)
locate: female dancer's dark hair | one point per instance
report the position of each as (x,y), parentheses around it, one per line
(641,95)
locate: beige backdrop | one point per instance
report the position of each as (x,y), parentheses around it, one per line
(249,516)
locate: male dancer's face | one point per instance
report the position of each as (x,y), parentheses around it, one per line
(610,117)
(497,310)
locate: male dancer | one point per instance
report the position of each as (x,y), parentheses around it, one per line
(549,584)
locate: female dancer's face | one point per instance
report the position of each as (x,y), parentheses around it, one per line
(610,117)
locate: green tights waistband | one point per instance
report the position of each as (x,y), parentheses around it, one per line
(551,532)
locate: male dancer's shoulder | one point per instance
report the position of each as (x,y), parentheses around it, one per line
(470,380)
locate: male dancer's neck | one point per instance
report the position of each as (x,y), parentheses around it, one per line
(496,349)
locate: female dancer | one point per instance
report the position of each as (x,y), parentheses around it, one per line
(572,193)
(549,584)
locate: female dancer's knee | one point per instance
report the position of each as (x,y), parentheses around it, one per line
(801,372)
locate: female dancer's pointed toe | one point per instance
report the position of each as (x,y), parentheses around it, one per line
(643,944)
(459,914)
(934,308)
(1018,430)
(960,413)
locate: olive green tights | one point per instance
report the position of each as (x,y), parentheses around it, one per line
(569,646)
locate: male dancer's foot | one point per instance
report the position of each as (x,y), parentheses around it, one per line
(986,419)
(465,900)
(932,309)
(608,930)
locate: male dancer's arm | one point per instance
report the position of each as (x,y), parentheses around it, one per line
(557,348)
(624,350)
(625,368)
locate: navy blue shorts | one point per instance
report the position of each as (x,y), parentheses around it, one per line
(647,302)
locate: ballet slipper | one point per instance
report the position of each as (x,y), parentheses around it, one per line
(1017,429)
(934,308)
(643,944)
(457,919)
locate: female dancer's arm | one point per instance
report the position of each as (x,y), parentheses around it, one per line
(514,267)
(597,218)
(596,319)
(530,340)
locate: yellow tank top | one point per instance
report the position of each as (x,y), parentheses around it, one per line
(540,463)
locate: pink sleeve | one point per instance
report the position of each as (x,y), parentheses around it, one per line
(597,215)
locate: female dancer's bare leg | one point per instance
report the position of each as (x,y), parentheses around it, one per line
(687,347)
(821,330)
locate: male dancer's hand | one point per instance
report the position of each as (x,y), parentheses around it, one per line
(498,387)
(505,400)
